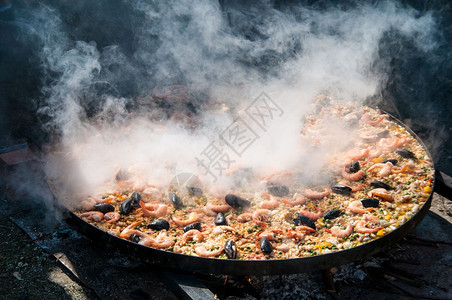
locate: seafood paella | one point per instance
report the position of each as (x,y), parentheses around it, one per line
(376,183)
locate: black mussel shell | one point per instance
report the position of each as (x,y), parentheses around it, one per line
(230,248)
(354,167)
(176,201)
(136,198)
(126,206)
(405,153)
(379,184)
(369,202)
(383,134)
(341,189)
(191,226)
(134,238)
(303,220)
(332,214)
(220,219)
(104,207)
(278,190)
(192,107)
(159,224)
(194,191)
(236,202)
(392,161)
(122,175)
(163,104)
(265,245)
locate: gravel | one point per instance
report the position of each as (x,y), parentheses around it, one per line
(27,272)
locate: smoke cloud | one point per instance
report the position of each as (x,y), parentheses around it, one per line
(110,67)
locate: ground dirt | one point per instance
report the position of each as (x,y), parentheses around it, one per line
(28,272)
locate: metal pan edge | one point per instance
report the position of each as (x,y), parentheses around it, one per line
(255,267)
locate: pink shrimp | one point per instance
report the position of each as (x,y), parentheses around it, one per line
(401,142)
(153,210)
(125,184)
(144,238)
(296,235)
(357,207)
(313,195)
(245,217)
(100,199)
(299,232)
(128,231)
(298,199)
(138,185)
(112,217)
(277,178)
(261,216)
(360,226)
(391,143)
(385,169)
(358,154)
(382,193)
(212,210)
(341,233)
(374,152)
(192,234)
(378,121)
(96,216)
(201,251)
(365,117)
(386,143)
(305,228)
(402,170)
(368,138)
(355,188)
(282,247)
(351,116)
(192,217)
(369,217)
(269,204)
(311,215)
(353,176)
(223,229)
(270,235)
(114,231)
(87,204)
(161,242)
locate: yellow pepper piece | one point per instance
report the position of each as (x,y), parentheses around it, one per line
(380,232)
(427,189)
(387,217)
(322,245)
(378,160)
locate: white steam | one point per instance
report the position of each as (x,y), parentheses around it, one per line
(232,53)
